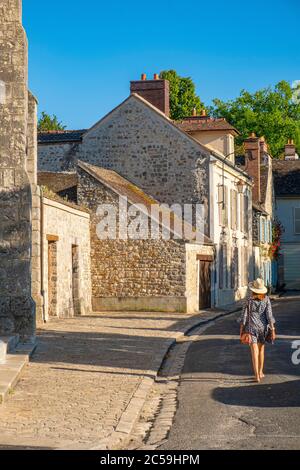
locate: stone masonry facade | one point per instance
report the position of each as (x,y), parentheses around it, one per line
(133,271)
(141,144)
(17,309)
(66,254)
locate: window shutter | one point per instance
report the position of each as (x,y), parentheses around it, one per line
(297,219)
(235,210)
(260,229)
(266,230)
(242,218)
(220,204)
(246,262)
(225,264)
(226,208)
(233,204)
(221,267)
(246,214)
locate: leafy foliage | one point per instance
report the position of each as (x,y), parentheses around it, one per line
(277,233)
(183,98)
(49,123)
(270,112)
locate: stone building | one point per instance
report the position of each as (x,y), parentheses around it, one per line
(258,163)
(65,270)
(230,208)
(44,242)
(139,273)
(172,162)
(287,193)
(17,173)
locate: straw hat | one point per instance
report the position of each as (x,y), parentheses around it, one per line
(258,286)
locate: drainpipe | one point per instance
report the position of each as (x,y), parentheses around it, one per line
(42,252)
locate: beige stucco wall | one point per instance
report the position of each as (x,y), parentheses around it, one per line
(226,235)
(192,274)
(217,140)
(72,227)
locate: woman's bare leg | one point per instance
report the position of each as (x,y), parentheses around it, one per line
(261,360)
(255,360)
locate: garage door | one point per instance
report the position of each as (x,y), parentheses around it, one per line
(291,262)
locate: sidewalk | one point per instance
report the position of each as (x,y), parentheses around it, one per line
(89,378)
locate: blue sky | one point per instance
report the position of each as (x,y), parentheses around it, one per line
(84,53)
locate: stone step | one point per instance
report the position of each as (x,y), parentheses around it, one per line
(15,362)
(7,345)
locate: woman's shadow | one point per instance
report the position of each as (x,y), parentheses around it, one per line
(271,395)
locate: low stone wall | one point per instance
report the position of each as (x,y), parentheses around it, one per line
(69,228)
(132,274)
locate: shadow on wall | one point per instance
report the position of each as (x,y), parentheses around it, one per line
(17,309)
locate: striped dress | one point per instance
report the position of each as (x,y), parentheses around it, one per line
(259,319)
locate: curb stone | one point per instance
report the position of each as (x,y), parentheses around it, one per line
(121,435)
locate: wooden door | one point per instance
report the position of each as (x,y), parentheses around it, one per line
(204,284)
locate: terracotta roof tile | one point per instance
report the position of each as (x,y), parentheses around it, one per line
(200,123)
(286,177)
(127,189)
(57,182)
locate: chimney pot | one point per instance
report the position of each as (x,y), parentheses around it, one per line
(143,77)
(203,113)
(156,92)
(290,151)
(156,76)
(194,112)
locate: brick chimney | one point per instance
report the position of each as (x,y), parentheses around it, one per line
(290,151)
(156,91)
(253,162)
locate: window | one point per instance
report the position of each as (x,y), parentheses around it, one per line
(270,232)
(262,230)
(297,220)
(233,209)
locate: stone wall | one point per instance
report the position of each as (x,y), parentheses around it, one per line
(67,227)
(133,274)
(57,157)
(142,145)
(17,310)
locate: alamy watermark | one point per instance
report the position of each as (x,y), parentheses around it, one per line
(296,353)
(150,222)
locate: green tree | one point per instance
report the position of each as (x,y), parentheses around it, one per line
(183,98)
(49,123)
(270,112)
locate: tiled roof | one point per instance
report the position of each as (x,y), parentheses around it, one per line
(60,136)
(205,123)
(125,188)
(57,182)
(286,177)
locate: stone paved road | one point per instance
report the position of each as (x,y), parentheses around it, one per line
(220,407)
(81,378)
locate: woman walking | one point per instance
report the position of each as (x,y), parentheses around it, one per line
(257,325)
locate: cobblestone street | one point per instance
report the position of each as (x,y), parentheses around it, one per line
(82,377)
